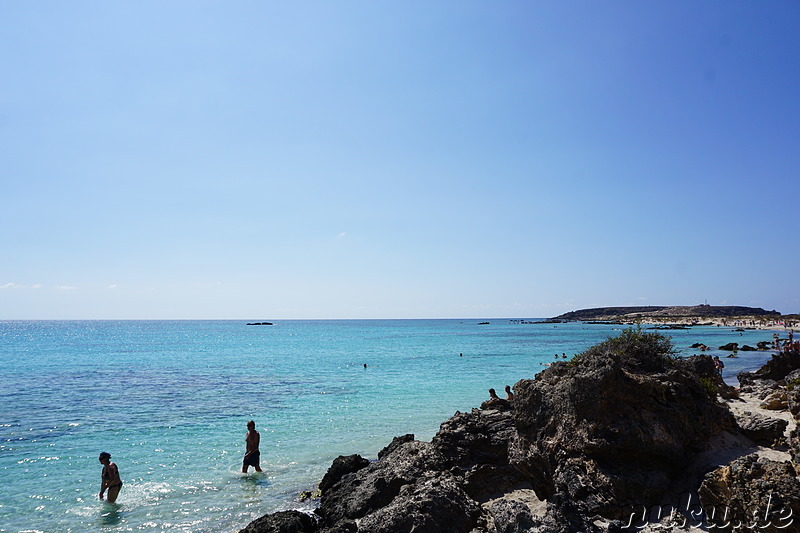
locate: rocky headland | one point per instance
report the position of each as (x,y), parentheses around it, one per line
(684,315)
(623,437)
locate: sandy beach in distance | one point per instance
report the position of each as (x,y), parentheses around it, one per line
(746,322)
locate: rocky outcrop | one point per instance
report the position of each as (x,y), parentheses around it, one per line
(781,365)
(432,503)
(423,486)
(282,522)
(793,440)
(342,465)
(621,426)
(793,392)
(777,401)
(762,430)
(752,494)
(695,311)
(612,430)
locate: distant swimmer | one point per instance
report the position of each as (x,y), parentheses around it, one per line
(109,478)
(509,394)
(251,454)
(365,365)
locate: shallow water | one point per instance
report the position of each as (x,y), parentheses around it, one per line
(170,400)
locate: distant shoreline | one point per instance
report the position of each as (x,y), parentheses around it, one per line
(743,322)
(685,316)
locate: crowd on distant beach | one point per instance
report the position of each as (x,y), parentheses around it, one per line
(789,346)
(750,322)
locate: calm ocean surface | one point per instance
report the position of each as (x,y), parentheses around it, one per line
(170,399)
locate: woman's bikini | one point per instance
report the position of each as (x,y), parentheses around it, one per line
(107,476)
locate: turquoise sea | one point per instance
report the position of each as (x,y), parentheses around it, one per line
(170,399)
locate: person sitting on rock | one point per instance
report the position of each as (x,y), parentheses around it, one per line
(495,402)
(509,394)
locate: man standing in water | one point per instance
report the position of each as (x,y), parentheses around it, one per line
(251,454)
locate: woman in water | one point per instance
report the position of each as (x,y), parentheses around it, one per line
(109,478)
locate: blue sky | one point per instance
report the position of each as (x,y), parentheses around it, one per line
(268,160)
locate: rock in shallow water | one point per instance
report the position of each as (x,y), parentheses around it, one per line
(282,522)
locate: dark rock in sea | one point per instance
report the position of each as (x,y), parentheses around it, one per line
(260,324)
(431,504)
(731,346)
(396,443)
(763,430)
(747,348)
(758,494)
(309,494)
(764,345)
(342,465)
(466,461)
(375,486)
(282,522)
